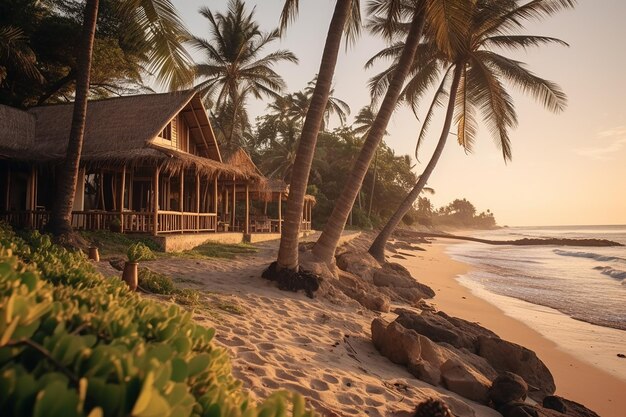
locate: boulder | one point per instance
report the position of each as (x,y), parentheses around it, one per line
(507,356)
(365,294)
(570,408)
(397,269)
(359,263)
(396,343)
(425,371)
(434,327)
(462,379)
(508,387)
(468,327)
(519,410)
(386,278)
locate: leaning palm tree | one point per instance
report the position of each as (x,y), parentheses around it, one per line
(388,15)
(158,26)
(474,78)
(346,19)
(362,124)
(234,67)
(446,21)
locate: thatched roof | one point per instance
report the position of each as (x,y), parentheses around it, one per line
(17,131)
(242,160)
(121,130)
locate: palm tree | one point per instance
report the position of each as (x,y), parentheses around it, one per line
(233,67)
(390,12)
(157,24)
(15,54)
(362,124)
(474,77)
(346,19)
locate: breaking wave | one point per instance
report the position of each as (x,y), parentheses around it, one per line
(590,255)
(612,272)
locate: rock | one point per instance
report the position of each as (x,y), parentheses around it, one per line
(432,407)
(434,327)
(467,327)
(359,291)
(508,387)
(293,280)
(425,371)
(359,263)
(395,342)
(396,269)
(385,278)
(507,356)
(621,355)
(464,380)
(519,410)
(572,408)
(554,402)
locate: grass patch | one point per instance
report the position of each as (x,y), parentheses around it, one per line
(157,283)
(216,250)
(232,308)
(112,244)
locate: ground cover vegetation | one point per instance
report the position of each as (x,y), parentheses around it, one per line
(74,343)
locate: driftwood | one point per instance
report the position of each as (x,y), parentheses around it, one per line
(523,242)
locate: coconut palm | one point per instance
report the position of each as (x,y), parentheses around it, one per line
(16,55)
(234,67)
(346,20)
(157,24)
(474,78)
(411,14)
(362,124)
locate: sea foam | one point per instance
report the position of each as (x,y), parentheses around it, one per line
(591,255)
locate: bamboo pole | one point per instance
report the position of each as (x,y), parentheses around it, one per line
(155,196)
(122,187)
(247,220)
(8,196)
(215,194)
(234,216)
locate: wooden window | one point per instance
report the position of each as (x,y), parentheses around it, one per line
(167,132)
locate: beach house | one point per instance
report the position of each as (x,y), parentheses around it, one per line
(150,164)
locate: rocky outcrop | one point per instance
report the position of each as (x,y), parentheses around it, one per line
(461,378)
(508,387)
(567,407)
(507,356)
(441,328)
(365,294)
(361,264)
(433,363)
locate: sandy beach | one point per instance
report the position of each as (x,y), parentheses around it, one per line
(575,379)
(323,349)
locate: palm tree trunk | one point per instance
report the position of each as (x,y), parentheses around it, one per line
(369,209)
(377,250)
(61,218)
(325,247)
(288,251)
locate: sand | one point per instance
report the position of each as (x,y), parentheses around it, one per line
(284,340)
(575,379)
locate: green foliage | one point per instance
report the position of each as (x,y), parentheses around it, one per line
(73,343)
(157,283)
(216,250)
(116,244)
(459,213)
(139,252)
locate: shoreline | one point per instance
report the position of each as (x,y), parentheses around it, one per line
(575,379)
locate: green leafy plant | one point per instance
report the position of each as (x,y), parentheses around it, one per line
(139,252)
(75,344)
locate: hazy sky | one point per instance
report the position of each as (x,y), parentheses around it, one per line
(567,169)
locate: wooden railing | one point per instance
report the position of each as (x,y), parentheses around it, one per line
(175,221)
(94,220)
(305,226)
(34,219)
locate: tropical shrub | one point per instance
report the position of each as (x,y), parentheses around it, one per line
(139,252)
(73,343)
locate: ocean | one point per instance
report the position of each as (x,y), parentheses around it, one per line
(584,283)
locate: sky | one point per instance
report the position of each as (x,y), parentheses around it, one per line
(567,168)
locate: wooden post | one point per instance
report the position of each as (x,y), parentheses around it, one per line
(181,200)
(215,195)
(234,217)
(310,215)
(280,212)
(247,221)
(155,202)
(8,196)
(198,200)
(122,187)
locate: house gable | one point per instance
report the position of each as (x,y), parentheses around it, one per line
(190,131)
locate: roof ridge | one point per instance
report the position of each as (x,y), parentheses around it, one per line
(191,91)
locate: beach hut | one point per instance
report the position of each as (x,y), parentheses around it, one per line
(150,164)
